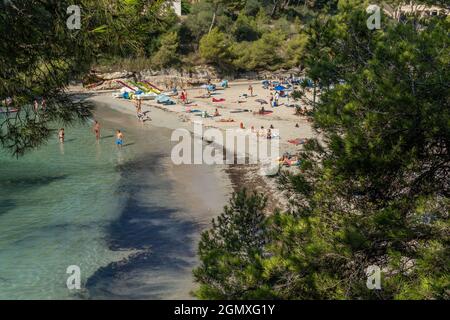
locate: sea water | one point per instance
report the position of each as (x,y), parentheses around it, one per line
(114,213)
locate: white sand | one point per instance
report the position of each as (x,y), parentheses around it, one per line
(175,117)
(282,118)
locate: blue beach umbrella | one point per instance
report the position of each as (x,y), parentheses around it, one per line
(280,88)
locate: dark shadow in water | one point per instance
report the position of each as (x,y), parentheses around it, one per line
(107,137)
(129,144)
(30,182)
(163,239)
(6,205)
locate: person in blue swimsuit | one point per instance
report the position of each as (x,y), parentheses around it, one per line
(119,138)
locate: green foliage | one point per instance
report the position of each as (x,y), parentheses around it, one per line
(215,48)
(39,56)
(245,29)
(167,54)
(231,251)
(263,54)
(296,50)
(374,190)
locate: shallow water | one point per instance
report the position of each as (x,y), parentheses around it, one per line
(128,218)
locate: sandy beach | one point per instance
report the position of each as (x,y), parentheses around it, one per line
(232,99)
(283,117)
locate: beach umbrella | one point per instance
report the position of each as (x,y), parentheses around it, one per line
(280,88)
(262,101)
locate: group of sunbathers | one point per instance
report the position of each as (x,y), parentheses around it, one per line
(289,160)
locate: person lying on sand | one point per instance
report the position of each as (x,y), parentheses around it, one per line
(298,141)
(143,117)
(204,96)
(225,120)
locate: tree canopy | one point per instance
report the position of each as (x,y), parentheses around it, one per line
(40,55)
(374,189)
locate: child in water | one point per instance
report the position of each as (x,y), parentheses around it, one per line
(119,138)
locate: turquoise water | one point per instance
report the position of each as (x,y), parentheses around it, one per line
(53,210)
(106,210)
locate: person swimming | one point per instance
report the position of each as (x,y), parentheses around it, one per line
(119,138)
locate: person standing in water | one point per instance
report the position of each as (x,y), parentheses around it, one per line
(97,130)
(61,135)
(119,139)
(43,104)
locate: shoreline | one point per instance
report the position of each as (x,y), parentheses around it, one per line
(172,209)
(175,117)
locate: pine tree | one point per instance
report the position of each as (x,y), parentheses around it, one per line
(232,249)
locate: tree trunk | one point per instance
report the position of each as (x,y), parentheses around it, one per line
(213,22)
(274,10)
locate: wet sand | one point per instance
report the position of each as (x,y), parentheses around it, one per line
(165,209)
(241,176)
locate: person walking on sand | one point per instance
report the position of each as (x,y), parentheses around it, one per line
(277,97)
(96,129)
(61,135)
(250,88)
(119,139)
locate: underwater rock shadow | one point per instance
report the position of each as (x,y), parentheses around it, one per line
(165,247)
(31,182)
(165,243)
